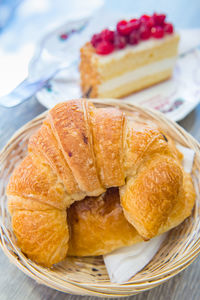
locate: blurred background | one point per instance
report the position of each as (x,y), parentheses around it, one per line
(24,22)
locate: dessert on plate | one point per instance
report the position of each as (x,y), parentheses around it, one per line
(95,180)
(137,54)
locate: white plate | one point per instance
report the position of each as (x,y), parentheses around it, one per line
(175,97)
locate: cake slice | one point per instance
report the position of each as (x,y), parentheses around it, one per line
(139,53)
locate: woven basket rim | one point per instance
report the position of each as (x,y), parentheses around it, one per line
(82,286)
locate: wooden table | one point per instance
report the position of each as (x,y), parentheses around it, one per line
(17,286)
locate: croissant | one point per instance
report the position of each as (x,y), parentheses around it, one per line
(98,226)
(80,152)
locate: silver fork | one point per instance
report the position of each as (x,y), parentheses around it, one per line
(48,62)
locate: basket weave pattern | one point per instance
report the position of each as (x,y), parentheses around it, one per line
(88,276)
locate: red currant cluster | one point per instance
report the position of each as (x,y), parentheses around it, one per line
(131,32)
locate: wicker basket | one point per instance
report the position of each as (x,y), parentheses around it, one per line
(88,276)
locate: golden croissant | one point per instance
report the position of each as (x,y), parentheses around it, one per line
(93,181)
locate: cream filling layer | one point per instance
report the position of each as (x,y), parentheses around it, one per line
(139,73)
(144,45)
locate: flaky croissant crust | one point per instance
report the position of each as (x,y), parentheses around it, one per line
(81,151)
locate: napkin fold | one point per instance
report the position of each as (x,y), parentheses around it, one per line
(124,263)
(188,157)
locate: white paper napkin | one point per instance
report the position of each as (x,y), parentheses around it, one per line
(124,263)
(188,157)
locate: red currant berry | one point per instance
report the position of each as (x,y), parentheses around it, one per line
(96,39)
(134,37)
(145,32)
(134,24)
(145,18)
(123,28)
(159,19)
(168,28)
(104,48)
(150,23)
(107,35)
(119,41)
(157,32)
